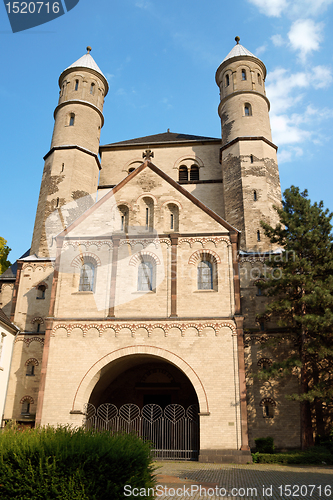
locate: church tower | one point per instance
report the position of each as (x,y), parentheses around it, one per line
(72,165)
(251,182)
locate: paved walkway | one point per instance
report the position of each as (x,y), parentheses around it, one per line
(180,480)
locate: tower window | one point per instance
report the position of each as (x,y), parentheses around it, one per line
(92,89)
(30,370)
(76,84)
(247,109)
(71,119)
(255,195)
(62,167)
(259,78)
(25,410)
(41,292)
(259,291)
(183,174)
(37,327)
(258,235)
(243,74)
(87,275)
(147,217)
(227,80)
(171,221)
(194,173)
(251,158)
(268,406)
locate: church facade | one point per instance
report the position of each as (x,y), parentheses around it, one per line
(142,287)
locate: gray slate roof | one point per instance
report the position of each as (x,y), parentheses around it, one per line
(4,319)
(238,50)
(10,273)
(165,137)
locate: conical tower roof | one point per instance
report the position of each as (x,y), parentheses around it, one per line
(240,52)
(88,62)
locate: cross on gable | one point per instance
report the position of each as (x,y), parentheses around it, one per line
(148,154)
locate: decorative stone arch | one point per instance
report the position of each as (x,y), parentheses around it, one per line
(91,377)
(32,361)
(188,160)
(37,319)
(147,195)
(27,398)
(84,257)
(134,163)
(145,255)
(199,254)
(172,202)
(42,283)
(264,361)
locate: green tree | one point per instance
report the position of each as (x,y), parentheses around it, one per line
(301,287)
(4,251)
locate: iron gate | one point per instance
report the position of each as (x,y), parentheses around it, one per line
(173,431)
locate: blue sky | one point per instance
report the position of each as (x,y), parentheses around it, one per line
(160,59)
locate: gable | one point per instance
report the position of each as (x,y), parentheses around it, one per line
(147,192)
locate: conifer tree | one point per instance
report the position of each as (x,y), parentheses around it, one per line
(4,251)
(301,287)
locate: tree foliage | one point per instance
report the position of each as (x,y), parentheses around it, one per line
(4,251)
(301,287)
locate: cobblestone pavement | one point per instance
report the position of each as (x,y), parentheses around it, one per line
(180,480)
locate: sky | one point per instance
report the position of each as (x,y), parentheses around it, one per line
(160,59)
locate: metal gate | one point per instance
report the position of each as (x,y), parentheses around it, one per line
(173,431)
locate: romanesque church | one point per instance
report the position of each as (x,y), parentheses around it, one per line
(137,303)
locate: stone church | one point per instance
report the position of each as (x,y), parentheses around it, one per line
(137,303)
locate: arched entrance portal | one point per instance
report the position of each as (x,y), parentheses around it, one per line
(152,397)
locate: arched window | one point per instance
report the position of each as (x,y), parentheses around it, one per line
(124,217)
(259,78)
(227,80)
(258,236)
(41,292)
(171,217)
(251,158)
(183,174)
(243,74)
(247,109)
(76,85)
(145,276)
(71,119)
(194,173)
(205,275)
(264,363)
(268,406)
(92,89)
(30,370)
(148,209)
(131,170)
(87,276)
(255,195)
(25,409)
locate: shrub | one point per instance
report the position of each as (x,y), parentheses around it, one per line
(265,445)
(72,464)
(313,456)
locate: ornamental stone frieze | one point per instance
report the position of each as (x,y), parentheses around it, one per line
(149,327)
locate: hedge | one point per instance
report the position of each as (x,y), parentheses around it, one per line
(72,464)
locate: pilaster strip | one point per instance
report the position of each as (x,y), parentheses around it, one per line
(116,242)
(174,244)
(17,282)
(239,320)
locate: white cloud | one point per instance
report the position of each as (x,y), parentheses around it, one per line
(272,8)
(305,36)
(277,40)
(260,50)
(322,77)
(292,8)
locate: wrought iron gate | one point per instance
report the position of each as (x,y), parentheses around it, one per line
(173,431)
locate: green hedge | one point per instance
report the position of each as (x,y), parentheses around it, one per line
(313,456)
(72,464)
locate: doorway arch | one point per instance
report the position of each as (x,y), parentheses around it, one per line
(120,356)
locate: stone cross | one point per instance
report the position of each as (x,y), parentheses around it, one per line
(148,154)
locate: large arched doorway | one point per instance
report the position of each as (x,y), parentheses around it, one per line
(146,394)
